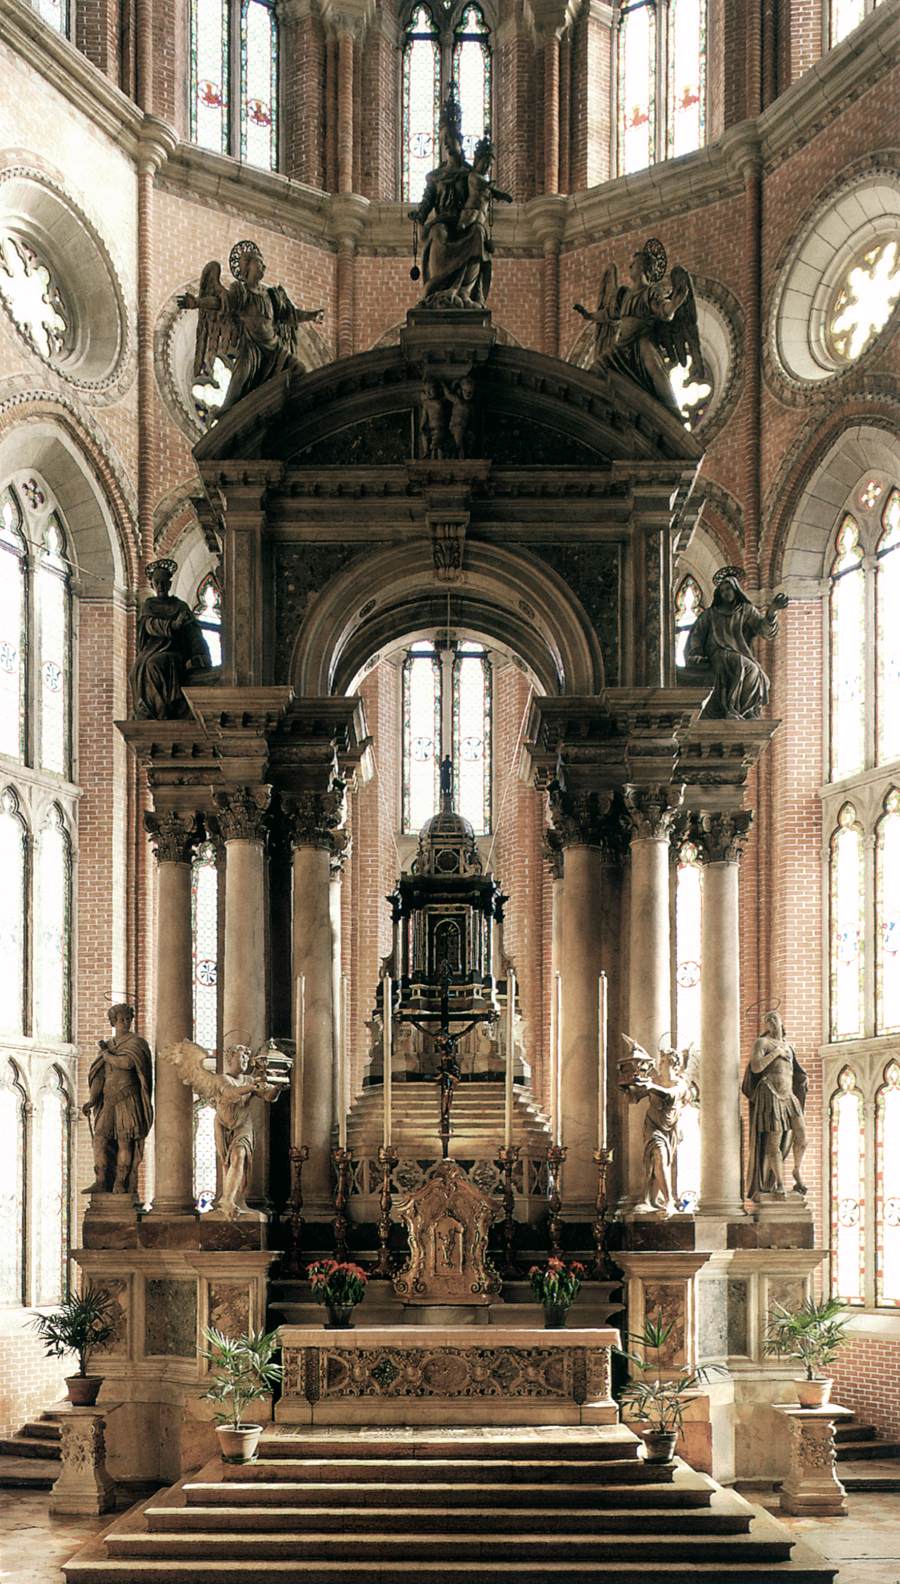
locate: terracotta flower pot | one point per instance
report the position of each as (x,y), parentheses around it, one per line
(555,1316)
(238,1446)
(813,1393)
(660,1445)
(83,1389)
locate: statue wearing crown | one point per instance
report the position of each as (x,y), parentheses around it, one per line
(455,217)
(170,648)
(251,327)
(644,327)
(721,638)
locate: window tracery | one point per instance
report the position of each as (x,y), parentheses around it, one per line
(847,926)
(32,298)
(447,708)
(660,81)
(848,1206)
(234,93)
(451,46)
(864,300)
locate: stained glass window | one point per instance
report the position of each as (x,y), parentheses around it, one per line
(887,1188)
(12,1185)
(887,595)
(12,628)
(32,297)
(847,933)
(688,605)
(204,1156)
(205,945)
(687,76)
(56,12)
(421,102)
(209,74)
(52,600)
(687,1187)
(259,84)
(636,66)
(51,1132)
(421,735)
(845,16)
(472,76)
(848,638)
(472,735)
(12,915)
(688,915)
(887,919)
(208,609)
(52,929)
(847,1190)
(864,300)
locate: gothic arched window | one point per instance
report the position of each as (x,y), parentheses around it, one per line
(51,1143)
(13,914)
(447,709)
(13,634)
(848,640)
(660,81)
(887,595)
(847,925)
(453,47)
(887,917)
(688,605)
(472,735)
(208,610)
(205,945)
(848,1230)
(234,90)
(52,902)
(52,612)
(421,735)
(887,1188)
(12,1185)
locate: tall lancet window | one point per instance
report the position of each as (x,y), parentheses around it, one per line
(847,925)
(472,75)
(56,13)
(52,602)
(688,605)
(13,838)
(421,102)
(686,117)
(887,595)
(259,84)
(848,638)
(845,15)
(472,735)
(660,81)
(52,905)
(636,86)
(13,636)
(887,1188)
(12,1184)
(205,957)
(447,710)
(450,44)
(51,1133)
(887,918)
(421,735)
(848,1206)
(234,79)
(208,610)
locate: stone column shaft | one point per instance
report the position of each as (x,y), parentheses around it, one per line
(241,821)
(721,1192)
(345,111)
(551,114)
(173,1130)
(580,1033)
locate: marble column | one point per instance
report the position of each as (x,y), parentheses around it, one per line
(651,810)
(173,837)
(719,838)
(241,821)
(314,818)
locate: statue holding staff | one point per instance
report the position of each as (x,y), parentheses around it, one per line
(120,1085)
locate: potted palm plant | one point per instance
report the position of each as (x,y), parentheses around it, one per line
(813,1335)
(340,1286)
(556,1285)
(80,1325)
(657,1403)
(246,1369)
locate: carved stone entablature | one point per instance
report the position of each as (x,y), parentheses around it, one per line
(587,819)
(314,817)
(716,758)
(172,834)
(721,837)
(652,810)
(241,813)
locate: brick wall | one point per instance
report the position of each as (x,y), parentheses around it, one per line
(29,1382)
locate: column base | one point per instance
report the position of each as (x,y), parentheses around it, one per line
(721,1210)
(111,1221)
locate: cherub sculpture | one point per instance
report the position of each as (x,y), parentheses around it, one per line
(432,421)
(250,326)
(261,1075)
(666,1086)
(721,638)
(644,327)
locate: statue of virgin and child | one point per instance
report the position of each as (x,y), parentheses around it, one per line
(455,218)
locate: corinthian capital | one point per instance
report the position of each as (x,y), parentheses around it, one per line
(314,817)
(585,819)
(241,813)
(172,836)
(652,810)
(720,837)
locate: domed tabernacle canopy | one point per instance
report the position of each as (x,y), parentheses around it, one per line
(447,844)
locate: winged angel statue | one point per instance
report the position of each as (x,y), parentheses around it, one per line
(666,1086)
(644,327)
(248,1075)
(251,327)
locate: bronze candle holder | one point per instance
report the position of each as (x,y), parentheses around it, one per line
(387,1160)
(604,1270)
(298,1155)
(341,1160)
(556,1154)
(507,1159)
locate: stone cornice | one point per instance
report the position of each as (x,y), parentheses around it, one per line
(64,67)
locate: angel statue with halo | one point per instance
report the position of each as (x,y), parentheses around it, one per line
(248,1075)
(251,327)
(666,1086)
(646,326)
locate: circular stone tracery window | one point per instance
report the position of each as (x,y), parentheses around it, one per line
(864,301)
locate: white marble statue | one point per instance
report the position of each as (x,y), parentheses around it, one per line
(666,1086)
(247,1076)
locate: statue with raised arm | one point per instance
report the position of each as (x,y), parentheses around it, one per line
(251,327)
(775,1085)
(170,646)
(644,327)
(721,638)
(666,1086)
(455,216)
(247,1076)
(120,1086)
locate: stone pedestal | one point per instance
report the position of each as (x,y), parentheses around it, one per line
(84,1487)
(812,1488)
(111,1221)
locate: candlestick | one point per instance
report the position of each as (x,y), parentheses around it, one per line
(341,1159)
(343,1084)
(510,1057)
(387,1017)
(298,1154)
(555,1060)
(601,1060)
(604,1269)
(507,1160)
(387,1161)
(556,1154)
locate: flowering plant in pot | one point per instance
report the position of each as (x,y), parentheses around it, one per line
(812,1334)
(340,1286)
(556,1285)
(658,1403)
(246,1369)
(80,1325)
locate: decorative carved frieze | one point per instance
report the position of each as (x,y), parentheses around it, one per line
(552,1375)
(720,837)
(314,817)
(241,813)
(173,837)
(652,810)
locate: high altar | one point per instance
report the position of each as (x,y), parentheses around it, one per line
(556,525)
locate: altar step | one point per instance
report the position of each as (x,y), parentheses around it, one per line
(477,1118)
(447,1507)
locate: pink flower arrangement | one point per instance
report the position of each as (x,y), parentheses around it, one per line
(337,1282)
(556,1283)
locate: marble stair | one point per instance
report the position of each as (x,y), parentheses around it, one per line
(29,1460)
(579,1506)
(476,1116)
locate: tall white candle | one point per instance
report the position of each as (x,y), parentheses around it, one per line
(387,1019)
(602,1019)
(343,1062)
(510,1056)
(555,1041)
(299,1053)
